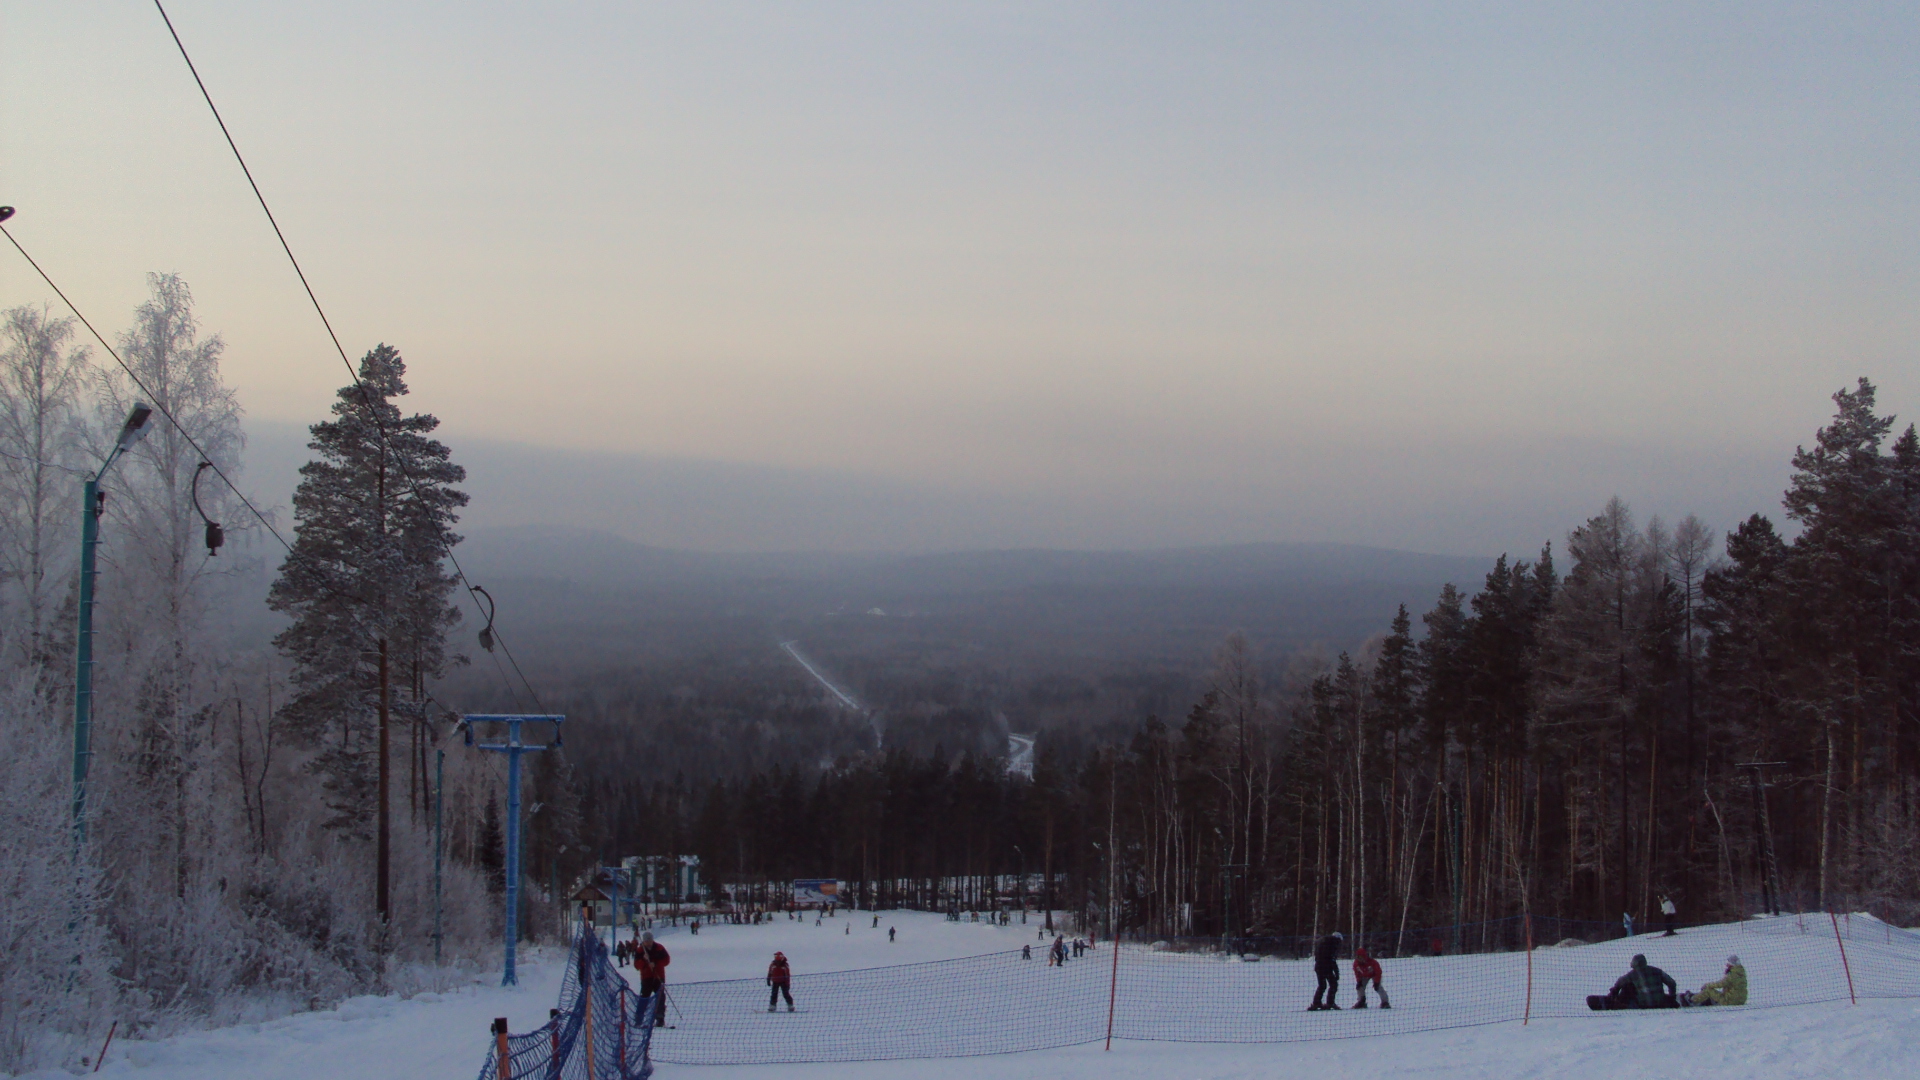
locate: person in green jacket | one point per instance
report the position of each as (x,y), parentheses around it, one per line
(1729,989)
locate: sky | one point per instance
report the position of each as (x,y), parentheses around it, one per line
(1442,277)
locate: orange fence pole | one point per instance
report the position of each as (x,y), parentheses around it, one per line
(587,1001)
(1843,958)
(1527,1018)
(553,1038)
(1113,986)
(503,1058)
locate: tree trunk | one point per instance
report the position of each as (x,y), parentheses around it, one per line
(383,842)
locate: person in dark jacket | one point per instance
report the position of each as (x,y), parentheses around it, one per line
(780,978)
(652,959)
(1642,987)
(1326,969)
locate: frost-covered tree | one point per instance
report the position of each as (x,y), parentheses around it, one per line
(368,589)
(42,377)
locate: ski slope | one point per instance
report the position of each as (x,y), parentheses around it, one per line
(444,1035)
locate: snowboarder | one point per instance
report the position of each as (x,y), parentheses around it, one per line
(1667,912)
(1365,969)
(1728,989)
(780,978)
(1642,987)
(652,959)
(1326,969)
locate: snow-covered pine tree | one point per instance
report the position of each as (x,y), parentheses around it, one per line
(368,589)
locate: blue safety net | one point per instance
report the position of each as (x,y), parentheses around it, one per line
(602,1029)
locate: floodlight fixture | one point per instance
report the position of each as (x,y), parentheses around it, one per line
(139,423)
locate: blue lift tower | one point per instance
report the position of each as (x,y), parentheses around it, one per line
(513,747)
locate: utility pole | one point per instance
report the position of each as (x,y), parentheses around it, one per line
(513,748)
(1763,821)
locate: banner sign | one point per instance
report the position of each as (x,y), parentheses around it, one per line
(816,891)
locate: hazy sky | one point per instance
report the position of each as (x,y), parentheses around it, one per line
(1433,276)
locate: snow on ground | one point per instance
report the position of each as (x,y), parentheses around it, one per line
(445,1036)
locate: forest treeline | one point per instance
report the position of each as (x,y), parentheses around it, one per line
(1569,739)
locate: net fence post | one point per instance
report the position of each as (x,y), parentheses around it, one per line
(553,1040)
(502,1056)
(620,1001)
(1845,966)
(1113,987)
(1527,1016)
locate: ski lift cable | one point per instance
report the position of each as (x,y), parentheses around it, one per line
(366,399)
(206,461)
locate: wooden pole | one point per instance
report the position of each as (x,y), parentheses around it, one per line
(503,1058)
(1527,1017)
(111,1028)
(1113,987)
(1843,958)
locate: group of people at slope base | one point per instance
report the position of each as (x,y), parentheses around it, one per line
(1647,987)
(1058,951)
(1326,973)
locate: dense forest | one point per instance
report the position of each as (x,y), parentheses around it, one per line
(1643,711)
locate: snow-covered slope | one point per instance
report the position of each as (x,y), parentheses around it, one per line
(445,1035)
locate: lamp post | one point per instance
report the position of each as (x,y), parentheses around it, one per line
(92,500)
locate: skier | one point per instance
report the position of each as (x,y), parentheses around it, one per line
(876,922)
(652,960)
(889,935)
(780,978)
(1026,952)
(1667,912)
(1057,955)
(1728,989)
(1626,920)
(1366,968)
(1642,987)
(1326,969)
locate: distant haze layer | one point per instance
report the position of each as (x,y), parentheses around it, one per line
(885,276)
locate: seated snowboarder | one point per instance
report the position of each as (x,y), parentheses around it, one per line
(1642,987)
(1366,969)
(1729,989)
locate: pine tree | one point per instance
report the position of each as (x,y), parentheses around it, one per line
(367,586)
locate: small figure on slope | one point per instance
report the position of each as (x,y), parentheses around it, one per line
(780,978)
(1326,969)
(1366,969)
(1667,913)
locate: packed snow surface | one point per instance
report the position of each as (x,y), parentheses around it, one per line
(445,1035)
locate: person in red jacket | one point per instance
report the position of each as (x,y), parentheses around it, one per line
(652,960)
(780,977)
(1367,969)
